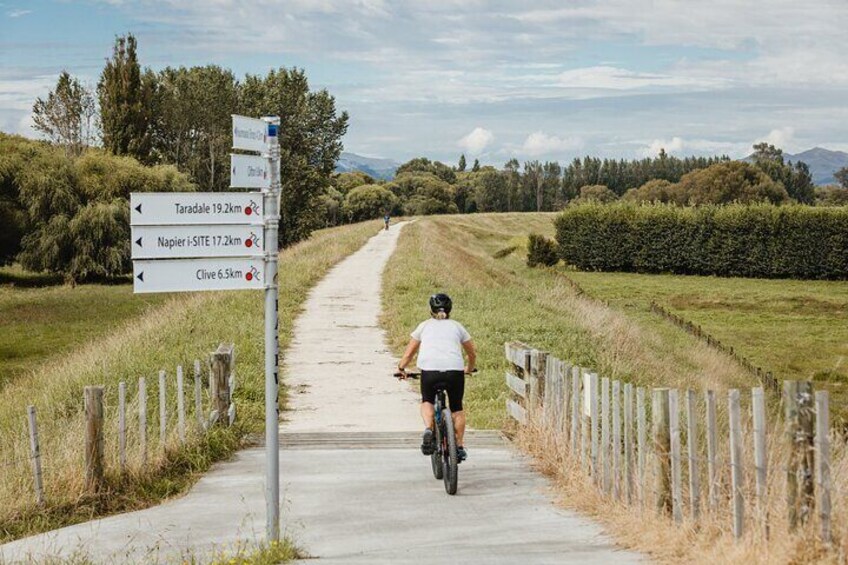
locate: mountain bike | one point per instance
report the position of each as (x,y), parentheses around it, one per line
(444,459)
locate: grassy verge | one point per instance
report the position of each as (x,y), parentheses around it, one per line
(183,328)
(38,323)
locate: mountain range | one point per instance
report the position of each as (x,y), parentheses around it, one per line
(377,168)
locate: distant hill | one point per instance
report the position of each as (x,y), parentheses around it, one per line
(377,168)
(822,162)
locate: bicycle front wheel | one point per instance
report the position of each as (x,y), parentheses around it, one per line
(450,462)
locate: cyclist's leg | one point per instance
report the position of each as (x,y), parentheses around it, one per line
(428,414)
(428,397)
(456,391)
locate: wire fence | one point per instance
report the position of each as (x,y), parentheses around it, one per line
(120,437)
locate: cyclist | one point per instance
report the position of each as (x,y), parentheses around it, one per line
(439,343)
(386,219)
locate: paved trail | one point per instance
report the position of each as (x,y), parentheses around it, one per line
(355,488)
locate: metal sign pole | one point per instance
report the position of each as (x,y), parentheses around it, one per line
(272,449)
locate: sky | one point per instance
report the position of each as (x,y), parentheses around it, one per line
(492,79)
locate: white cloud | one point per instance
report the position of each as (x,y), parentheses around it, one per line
(539,143)
(476,141)
(780,137)
(18,13)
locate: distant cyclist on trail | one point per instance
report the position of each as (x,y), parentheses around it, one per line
(386,219)
(439,343)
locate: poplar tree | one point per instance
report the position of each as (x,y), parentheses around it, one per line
(462,164)
(126,102)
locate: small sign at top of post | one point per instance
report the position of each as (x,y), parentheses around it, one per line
(250,134)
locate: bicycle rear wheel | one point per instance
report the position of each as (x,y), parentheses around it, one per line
(449,457)
(436,456)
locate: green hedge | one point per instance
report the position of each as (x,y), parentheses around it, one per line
(758,240)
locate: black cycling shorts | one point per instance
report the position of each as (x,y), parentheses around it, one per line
(452,381)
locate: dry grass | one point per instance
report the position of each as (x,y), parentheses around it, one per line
(185,328)
(709,539)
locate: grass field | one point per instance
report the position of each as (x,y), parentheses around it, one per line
(796,329)
(179,330)
(40,322)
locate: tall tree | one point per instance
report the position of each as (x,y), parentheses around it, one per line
(311,134)
(513,184)
(842,177)
(476,167)
(462,164)
(534,173)
(126,102)
(68,115)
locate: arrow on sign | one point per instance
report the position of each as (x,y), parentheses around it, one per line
(138,208)
(138,242)
(141,276)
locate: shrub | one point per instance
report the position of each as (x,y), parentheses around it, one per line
(367,202)
(596,193)
(732,181)
(831,195)
(655,190)
(758,240)
(541,251)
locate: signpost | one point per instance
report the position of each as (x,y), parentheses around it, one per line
(201,241)
(180,208)
(173,242)
(249,171)
(193,275)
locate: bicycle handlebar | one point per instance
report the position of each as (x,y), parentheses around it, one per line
(414,376)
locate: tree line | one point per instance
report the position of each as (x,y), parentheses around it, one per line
(422,186)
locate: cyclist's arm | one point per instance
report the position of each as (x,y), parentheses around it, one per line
(471,352)
(411,350)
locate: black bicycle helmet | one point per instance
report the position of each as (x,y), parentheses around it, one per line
(440,302)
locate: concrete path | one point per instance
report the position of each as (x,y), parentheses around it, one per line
(355,488)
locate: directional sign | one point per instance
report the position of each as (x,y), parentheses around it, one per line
(250,134)
(168,208)
(249,171)
(171,242)
(189,275)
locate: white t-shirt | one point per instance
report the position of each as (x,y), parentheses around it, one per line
(441,345)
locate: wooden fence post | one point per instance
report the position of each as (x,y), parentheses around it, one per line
(628,443)
(799,436)
(564,423)
(692,450)
(605,434)
(823,462)
(142,419)
(181,427)
(198,399)
(222,360)
(575,408)
(676,464)
(616,439)
(758,407)
(93,438)
(737,478)
(641,441)
(163,410)
(712,448)
(538,366)
(122,427)
(593,409)
(662,450)
(35,455)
